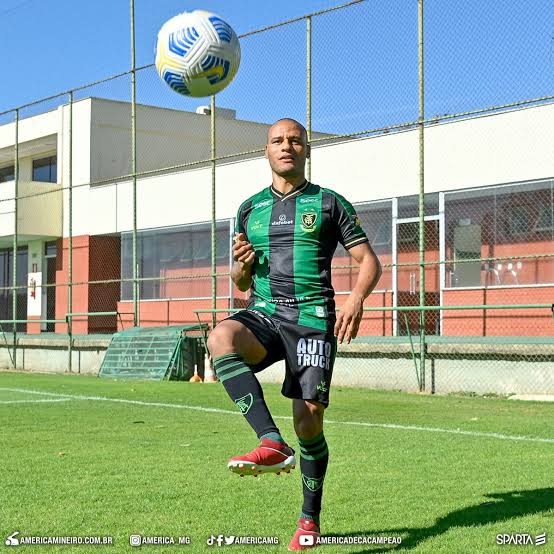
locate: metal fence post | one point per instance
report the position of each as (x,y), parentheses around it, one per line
(309,90)
(136,295)
(15,215)
(421,76)
(70,241)
(213,220)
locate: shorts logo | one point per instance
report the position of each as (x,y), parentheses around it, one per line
(314,353)
(308,221)
(312,483)
(322,387)
(245,403)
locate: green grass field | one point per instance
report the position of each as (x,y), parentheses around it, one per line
(444,473)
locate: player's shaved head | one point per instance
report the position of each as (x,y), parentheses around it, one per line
(287,121)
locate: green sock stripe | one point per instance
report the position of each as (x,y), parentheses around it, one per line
(313,451)
(306,442)
(273,436)
(235,373)
(304,515)
(314,457)
(227,357)
(313,447)
(225,369)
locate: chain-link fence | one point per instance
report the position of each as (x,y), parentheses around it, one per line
(118,198)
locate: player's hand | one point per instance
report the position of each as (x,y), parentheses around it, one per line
(348,319)
(243,251)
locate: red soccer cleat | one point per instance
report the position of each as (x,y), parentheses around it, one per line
(269,457)
(306,535)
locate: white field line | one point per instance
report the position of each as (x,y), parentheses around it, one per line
(41,400)
(500,436)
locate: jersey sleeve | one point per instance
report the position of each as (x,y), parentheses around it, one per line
(240,223)
(348,223)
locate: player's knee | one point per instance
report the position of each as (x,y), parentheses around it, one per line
(220,341)
(308,422)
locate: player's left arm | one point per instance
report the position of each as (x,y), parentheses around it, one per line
(350,315)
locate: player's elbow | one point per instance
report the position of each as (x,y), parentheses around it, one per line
(378,269)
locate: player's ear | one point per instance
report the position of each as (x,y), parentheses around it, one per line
(308,151)
(265,153)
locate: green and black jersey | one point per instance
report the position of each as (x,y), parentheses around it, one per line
(294,237)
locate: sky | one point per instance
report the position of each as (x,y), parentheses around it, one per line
(477,54)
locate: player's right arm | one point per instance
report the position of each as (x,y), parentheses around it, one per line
(243,258)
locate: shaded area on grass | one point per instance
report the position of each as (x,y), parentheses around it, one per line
(501,507)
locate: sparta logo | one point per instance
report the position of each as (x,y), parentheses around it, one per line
(308,221)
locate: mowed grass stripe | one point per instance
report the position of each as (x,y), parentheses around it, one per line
(120,468)
(419,428)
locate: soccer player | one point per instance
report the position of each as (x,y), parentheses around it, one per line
(285,239)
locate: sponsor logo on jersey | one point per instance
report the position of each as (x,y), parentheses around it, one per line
(314,353)
(308,221)
(256,225)
(263,204)
(308,199)
(283,221)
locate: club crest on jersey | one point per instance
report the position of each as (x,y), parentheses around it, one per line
(308,221)
(244,403)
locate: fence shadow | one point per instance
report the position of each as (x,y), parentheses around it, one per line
(500,507)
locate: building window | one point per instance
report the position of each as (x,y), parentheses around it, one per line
(169,259)
(45,170)
(7,173)
(498,236)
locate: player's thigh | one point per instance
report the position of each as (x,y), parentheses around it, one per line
(232,336)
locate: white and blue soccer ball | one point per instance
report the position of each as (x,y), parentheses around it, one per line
(197,53)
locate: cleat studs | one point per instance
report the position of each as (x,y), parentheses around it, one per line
(292,467)
(241,475)
(241,466)
(278,473)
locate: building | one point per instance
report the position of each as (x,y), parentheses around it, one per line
(489,184)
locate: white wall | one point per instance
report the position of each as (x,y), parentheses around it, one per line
(30,128)
(487,150)
(39,210)
(164,138)
(475,152)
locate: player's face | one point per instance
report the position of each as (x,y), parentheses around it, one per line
(287,149)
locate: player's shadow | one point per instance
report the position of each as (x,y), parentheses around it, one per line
(500,507)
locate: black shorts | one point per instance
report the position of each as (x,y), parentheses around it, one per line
(309,354)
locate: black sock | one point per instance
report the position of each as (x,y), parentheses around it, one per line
(245,391)
(314,457)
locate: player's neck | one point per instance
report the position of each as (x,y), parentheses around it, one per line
(284,185)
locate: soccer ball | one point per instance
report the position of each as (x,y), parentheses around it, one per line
(197,53)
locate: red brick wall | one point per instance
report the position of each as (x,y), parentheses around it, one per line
(94,258)
(511,322)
